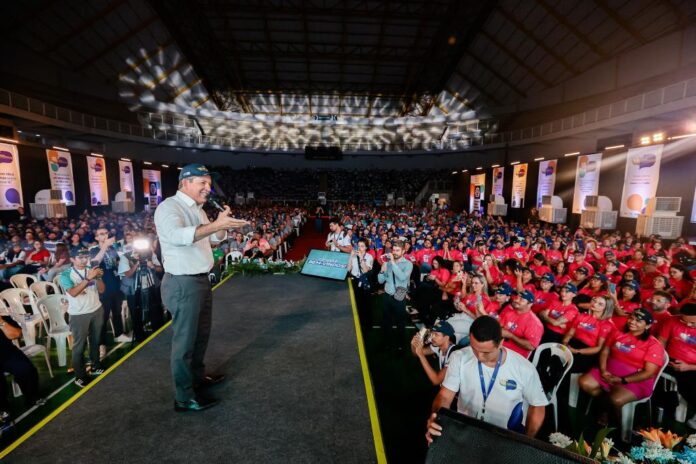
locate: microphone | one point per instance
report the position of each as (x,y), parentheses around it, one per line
(213,202)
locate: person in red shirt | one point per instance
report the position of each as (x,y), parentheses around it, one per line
(613,271)
(690,299)
(628,363)
(649,272)
(429,294)
(475,302)
(539,265)
(524,279)
(636,262)
(490,270)
(516,252)
(425,256)
(522,329)
(588,333)
(500,300)
(596,286)
(560,274)
(499,251)
(658,305)
(678,335)
(448,254)
(559,316)
(579,261)
(477,254)
(545,296)
(36,259)
(659,283)
(554,255)
(624,306)
(680,281)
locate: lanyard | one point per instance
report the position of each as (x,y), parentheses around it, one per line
(486,392)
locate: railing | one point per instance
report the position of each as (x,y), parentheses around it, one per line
(649,100)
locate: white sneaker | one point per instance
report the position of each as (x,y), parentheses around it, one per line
(102,351)
(692,422)
(123,338)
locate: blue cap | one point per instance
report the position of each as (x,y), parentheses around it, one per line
(504,289)
(600,276)
(79,251)
(527,295)
(445,328)
(632,284)
(570,287)
(197,170)
(549,276)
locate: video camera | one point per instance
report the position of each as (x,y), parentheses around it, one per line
(142,252)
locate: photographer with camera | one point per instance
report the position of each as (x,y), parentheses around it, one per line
(141,284)
(395,274)
(359,268)
(438,341)
(338,239)
(82,285)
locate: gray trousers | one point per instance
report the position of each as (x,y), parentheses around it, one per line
(86,328)
(190,301)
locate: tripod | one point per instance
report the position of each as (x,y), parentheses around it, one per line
(142,309)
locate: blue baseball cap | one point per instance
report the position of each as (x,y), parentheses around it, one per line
(570,287)
(549,276)
(197,170)
(601,277)
(504,289)
(632,284)
(445,328)
(527,295)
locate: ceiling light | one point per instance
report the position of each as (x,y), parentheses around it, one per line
(645,140)
(614,147)
(3,139)
(147,162)
(59,148)
(514,163)
(677,137)
(464,170)
(658,137)
(479,168)
(571,154)
(98,155)
(495,166)
(539,159)
(125,159)
(165,165)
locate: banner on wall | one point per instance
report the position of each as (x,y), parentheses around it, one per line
(476,192)
(547,180)
(693,208)
(586,179)
(498,176)
(61,173)
(640,181)
(125,170)
(152,183)
(519,185)
(10,182)
(98,190)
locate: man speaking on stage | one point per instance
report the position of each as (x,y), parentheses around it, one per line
(185,235)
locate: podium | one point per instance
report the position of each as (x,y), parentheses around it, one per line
(123,203)
(48,204)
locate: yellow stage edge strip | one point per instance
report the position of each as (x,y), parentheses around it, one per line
(369,391)
(75,397)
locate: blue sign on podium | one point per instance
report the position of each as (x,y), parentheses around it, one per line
(328,264)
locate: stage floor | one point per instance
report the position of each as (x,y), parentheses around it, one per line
(294,392)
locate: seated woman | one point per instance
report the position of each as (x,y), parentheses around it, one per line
(545,296)
(469,306)
(680,281)
(628,364)
(559,316)
(37,258)
(588,333)
(430,291)
(597,286)
(624,306)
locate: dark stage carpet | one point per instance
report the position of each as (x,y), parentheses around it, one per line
(294,390)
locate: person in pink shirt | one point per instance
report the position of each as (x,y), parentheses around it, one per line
(678,335)
(545,296)
(588,333)
(522,329)
(559,316)
(628,364)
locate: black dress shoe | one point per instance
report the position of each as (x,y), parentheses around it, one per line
(211,379)
(197,404)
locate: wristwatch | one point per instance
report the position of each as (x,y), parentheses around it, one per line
(624,381)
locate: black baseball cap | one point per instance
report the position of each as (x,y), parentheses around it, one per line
(75,252)
(643,314)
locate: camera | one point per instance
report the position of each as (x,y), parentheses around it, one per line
(425,336)
(142,251)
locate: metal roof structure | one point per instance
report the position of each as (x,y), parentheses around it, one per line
(436,60)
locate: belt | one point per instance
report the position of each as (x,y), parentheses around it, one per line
(202,274)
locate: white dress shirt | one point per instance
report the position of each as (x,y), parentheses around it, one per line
(176,219)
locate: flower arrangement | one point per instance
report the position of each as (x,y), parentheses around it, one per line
(658,447)
(260,267)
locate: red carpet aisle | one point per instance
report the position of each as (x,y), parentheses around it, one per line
(309,239)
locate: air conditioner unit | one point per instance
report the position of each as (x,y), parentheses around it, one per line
(45,197)
(668,227)
(497,206)
(597,213)
(239,199)
(56,196)
(552,210)
(663,206)
(390,199)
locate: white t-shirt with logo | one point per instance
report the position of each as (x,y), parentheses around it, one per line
(339,239)
(87,301)
(517,386)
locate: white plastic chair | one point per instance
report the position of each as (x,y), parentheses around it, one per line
(56,282)
(574,391)
(671,385)
(22,280)
(232,256)
(32,350)
(40,289)
(566,356)
(52,307)
(628,410)
(16,298)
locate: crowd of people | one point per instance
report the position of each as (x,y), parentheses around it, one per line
(101,261)
(624,306)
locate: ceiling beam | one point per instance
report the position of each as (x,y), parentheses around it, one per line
(478,88)
(120,40)
(481,62)
(539,43)
(305,36)
(83,26)
(574,30)
(269,46)
(378,48)
(517,59)
(621,22)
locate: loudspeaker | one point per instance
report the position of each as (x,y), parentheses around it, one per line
(465,439)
